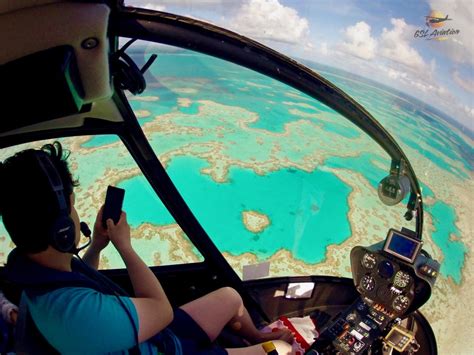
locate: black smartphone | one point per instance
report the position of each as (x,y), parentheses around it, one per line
(113,204)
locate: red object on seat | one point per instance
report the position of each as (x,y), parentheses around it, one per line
(298,338)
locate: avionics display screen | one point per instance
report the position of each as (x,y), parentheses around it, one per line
(396,337)
(402,246)
(398,340)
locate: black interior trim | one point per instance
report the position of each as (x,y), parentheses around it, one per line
(45,85)
(330,294)
(429,345)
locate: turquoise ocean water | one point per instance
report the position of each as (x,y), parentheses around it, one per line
(297,202)
(292,226)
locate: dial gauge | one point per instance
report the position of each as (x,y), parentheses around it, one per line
(369,261)
(367,283)
(401,280)
(400,303)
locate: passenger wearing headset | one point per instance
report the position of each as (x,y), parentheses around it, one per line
(37,207)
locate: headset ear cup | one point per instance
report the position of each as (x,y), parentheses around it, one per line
(63,234)
(128,76)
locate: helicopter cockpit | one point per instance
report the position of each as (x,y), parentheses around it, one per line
(84,88)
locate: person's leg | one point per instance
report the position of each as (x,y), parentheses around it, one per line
(283,348)
(222,307)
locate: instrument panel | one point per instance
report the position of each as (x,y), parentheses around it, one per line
(384,281)
(394,278)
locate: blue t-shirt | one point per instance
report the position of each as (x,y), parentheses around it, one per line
(78,320)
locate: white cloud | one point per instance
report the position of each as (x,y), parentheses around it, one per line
(469,110)
(395,74)
(395,45)
(359,42)
(156,7)
(191,2)
(461,47)
(428,90)
(408,79)
(156,4)
(324,48)
(317,52)
(394,60)
(270,20)
(466,84)
(146,5)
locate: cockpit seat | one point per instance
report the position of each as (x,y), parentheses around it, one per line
(35,344)
(6,337)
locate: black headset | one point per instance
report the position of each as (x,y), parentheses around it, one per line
(62,235)
(126,73)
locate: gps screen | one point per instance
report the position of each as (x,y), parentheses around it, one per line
(402,246)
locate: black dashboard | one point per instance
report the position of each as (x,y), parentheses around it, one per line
(394,278)
(384,283)
(395,275)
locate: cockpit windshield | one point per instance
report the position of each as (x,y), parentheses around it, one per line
(279,181)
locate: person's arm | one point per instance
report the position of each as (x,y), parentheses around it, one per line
(8,310)
(92,256)
(100,239)
(152,305)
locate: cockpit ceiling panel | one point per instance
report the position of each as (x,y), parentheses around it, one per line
(15,5)
(32,29)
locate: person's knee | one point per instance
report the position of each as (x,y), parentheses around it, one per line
(230,294)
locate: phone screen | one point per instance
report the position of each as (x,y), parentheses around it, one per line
(113,204)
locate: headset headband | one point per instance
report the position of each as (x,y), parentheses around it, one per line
(54,180)
(62,235)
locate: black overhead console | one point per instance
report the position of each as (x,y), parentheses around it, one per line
(40,87)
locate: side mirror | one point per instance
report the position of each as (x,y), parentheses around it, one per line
(393,189)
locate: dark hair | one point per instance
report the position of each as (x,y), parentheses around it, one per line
(28,205)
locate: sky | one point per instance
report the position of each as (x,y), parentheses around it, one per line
(374,39)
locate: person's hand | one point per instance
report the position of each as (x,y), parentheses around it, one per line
(13,316)
(119,234)
(100,236)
